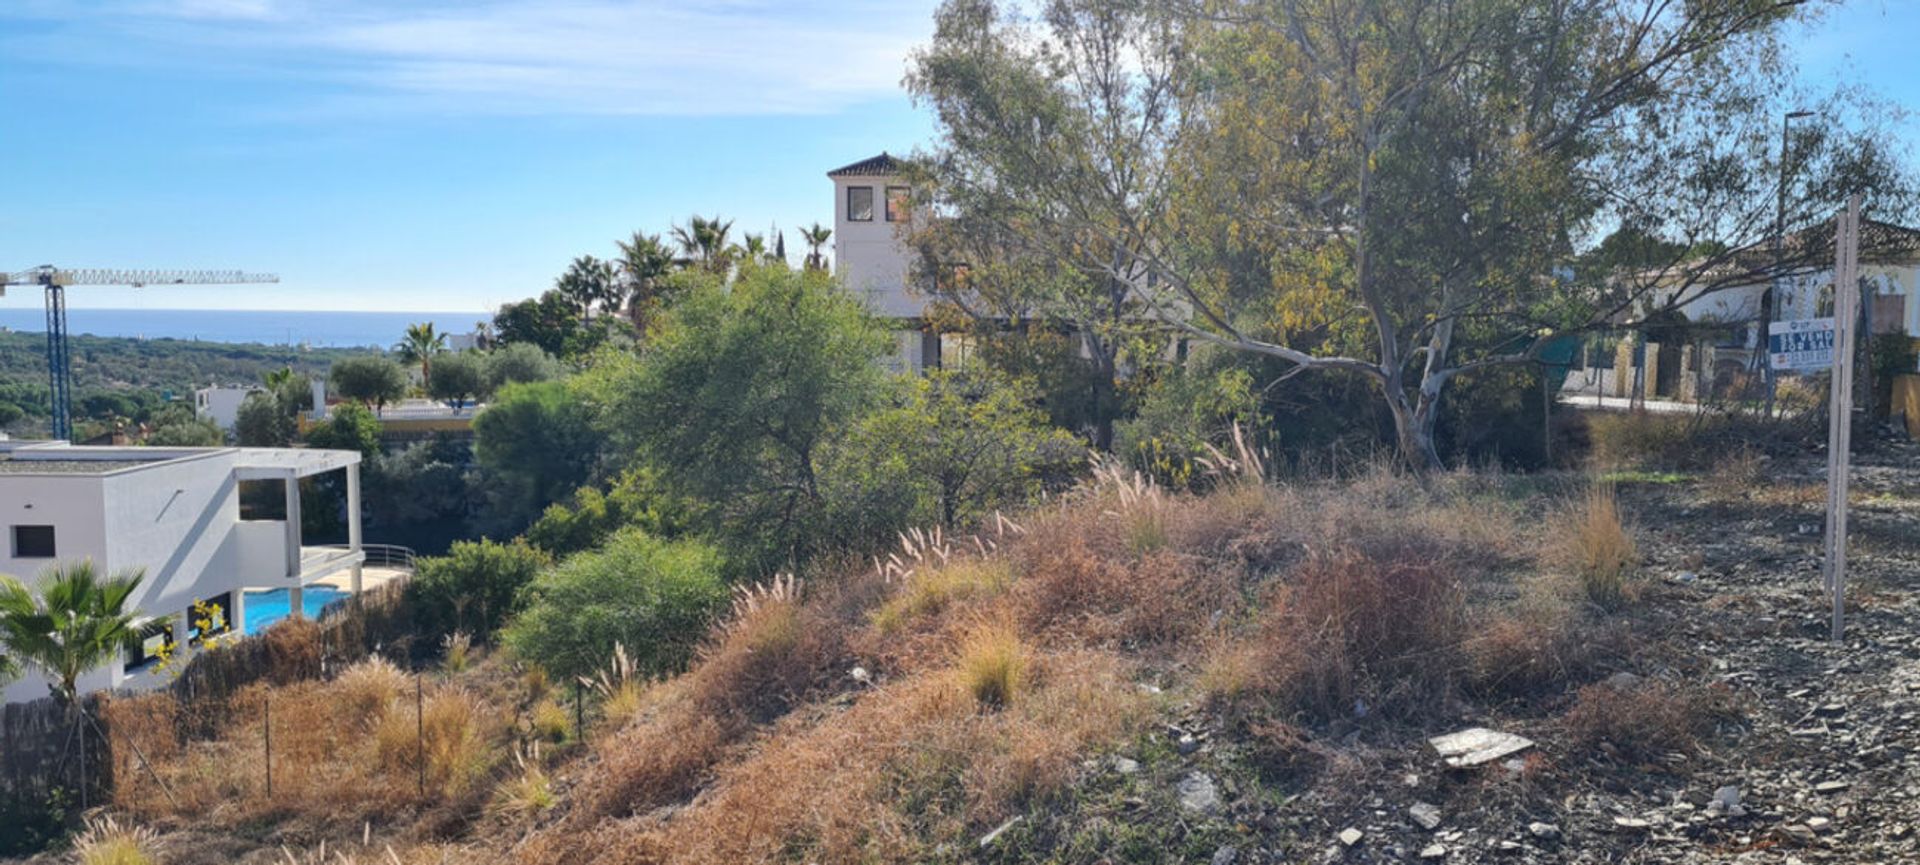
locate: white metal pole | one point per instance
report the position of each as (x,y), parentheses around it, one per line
(1846,304)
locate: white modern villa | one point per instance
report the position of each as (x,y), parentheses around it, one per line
(221,403)
(176,515)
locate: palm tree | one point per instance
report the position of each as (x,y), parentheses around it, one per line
(277,378)
(752,248)
(78,621)
(704,242)
(816,237)
(589,281)
(421,344)
(645,263)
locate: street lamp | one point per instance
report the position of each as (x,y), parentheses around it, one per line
(1771,304)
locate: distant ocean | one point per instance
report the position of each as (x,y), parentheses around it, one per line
(318,329)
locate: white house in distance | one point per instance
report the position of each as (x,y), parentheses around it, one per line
(175,514)
(1889,273)
(869,211)
(221,403)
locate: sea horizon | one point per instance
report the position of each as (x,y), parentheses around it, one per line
(275,327)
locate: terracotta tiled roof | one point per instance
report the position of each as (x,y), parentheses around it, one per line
(873,166)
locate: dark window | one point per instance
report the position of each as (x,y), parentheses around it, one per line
(896,203)
(860,203)
(33,542)
(264,500)
(153,637)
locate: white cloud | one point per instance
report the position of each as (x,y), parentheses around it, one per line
(522,56)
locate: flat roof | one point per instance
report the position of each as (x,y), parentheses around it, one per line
(67,467)
(61,458)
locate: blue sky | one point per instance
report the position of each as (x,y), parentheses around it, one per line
(447,155)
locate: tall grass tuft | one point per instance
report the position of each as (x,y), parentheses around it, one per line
(528,792)
(106,842)
(620,688)
(368,688)
(993,664)
(451,735)
(1603,553)
(458,647)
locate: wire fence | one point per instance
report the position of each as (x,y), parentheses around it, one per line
(57,760)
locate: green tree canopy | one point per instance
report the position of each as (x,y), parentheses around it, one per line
(460,378)
(263,421)
(350,427)
(966,443)
(518,363)
(370,379)
(475,587)
(655,598)
(736,395)
(537,443)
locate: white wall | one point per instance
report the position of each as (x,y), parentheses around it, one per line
(869,256)
(221,404)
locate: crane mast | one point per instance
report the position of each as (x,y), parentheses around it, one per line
(55,280)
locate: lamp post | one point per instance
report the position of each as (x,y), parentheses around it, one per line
(1770,304)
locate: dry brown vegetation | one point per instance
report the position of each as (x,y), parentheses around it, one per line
(880,712)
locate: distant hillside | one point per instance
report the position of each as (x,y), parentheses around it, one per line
(140,371)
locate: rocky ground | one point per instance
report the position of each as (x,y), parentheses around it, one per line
(1812,755)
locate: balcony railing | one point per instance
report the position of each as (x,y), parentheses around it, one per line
(383,555)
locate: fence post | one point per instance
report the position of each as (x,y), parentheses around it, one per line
(266,732)
(420,731)
(579,713)
(82,708)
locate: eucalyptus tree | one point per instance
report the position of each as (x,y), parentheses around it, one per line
(1049,130)
(1398,189)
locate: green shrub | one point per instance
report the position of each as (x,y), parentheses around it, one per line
(475,587)
(518,363)
(654,597)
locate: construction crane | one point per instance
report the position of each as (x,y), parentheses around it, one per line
(55,280)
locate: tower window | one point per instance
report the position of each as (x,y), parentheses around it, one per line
(896,203)
(860,204)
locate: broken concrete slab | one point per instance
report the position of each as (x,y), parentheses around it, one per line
(1473,747)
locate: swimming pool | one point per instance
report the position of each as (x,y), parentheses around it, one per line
(266,607)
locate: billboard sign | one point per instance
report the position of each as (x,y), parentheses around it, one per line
(1802,344)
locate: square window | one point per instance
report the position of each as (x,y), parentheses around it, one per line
(860,204)
(897,203)
(33,542)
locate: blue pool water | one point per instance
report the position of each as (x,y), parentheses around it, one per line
(265,608)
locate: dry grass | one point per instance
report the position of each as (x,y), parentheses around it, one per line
(929,592)
(106,842)
(454,733)
(1348,635)
(992,664)
(1536,644)
(1640,719)
(909,767)
(527,793)
(1600,549)
(456,652)
(367,690)
(549,721)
